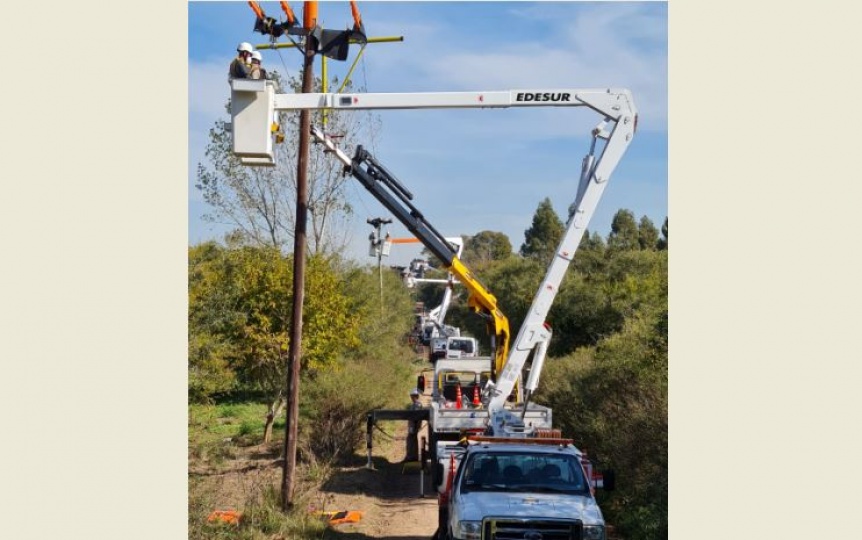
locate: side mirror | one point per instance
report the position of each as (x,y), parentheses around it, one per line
(438,474)
(609,480)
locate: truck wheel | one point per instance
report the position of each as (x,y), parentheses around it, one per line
(432,447)
(442,525)
(440,535)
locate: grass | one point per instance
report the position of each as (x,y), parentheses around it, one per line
(217,435)
(262,517)
(214,430)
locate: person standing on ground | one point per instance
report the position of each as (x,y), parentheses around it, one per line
(412,450)
(414,400)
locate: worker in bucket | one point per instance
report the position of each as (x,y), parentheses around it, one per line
(257,70)
(240,67)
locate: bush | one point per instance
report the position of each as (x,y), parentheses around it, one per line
(376,373)
(612,399)
(262,517)
(335,404)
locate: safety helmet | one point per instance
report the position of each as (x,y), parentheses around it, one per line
(244,47)
(257,56)
(414,392)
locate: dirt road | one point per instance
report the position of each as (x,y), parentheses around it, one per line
(389,496)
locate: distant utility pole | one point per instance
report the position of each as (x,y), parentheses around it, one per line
(378,244)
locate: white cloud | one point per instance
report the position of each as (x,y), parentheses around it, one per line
(622,46)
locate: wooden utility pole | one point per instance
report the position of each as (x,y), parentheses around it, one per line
(295,349)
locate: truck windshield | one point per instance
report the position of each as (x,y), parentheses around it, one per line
(461,345)
(528,472)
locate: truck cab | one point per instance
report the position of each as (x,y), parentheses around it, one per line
(453,346)
(522,490)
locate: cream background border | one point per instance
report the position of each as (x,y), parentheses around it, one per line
(764,270)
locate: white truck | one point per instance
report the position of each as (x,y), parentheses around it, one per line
(528,489)
(519,479)
(456,346)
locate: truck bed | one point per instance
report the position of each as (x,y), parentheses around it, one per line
(450,420)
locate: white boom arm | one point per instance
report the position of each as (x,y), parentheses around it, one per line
(595,173)
(616,104)
(254,104)
(439,313)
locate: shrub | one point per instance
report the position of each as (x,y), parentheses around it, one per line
(336,403)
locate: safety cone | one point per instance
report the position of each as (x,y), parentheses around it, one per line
(458,396)
(476,401)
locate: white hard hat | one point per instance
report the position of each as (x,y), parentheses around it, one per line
(244,46)
(257,56)
(414,392)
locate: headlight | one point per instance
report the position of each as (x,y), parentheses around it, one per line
(469,530)
(594,532)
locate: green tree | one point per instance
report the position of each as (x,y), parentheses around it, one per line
(543,236)
(245,301)
(624,231)
(662,242)
(260,202)
(647,234)
(614,397)
(210,316)
(591,242)
(590,257)
(486,246)
(582,314)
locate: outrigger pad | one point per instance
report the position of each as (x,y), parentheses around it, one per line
(337,518)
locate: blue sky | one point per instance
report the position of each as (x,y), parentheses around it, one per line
(470,170)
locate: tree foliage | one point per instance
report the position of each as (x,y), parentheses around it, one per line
(647,234)
(486,246)
(613,399)
(543,236)
(240,309)
(624,231)
(211,349)
(240,303)
(662,242)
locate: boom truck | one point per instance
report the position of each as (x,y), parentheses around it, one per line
(520,479)
(444,341)
(501,470)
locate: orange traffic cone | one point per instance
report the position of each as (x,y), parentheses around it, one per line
(458,396)
(476,401)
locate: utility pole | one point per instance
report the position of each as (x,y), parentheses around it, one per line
(378,243)
(333,44)
(295,349)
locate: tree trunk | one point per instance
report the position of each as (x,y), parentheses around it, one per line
(274,410)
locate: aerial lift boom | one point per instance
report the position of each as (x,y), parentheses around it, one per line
(534,333)
(396,198)
(617,128)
